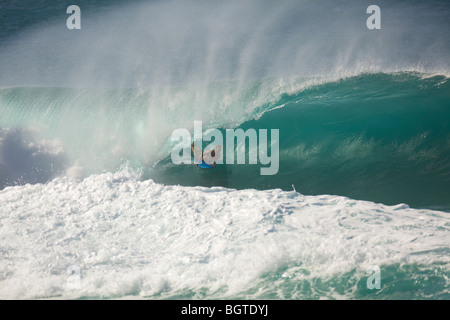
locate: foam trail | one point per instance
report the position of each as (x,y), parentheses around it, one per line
(130,238)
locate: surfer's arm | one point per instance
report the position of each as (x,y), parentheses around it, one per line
(197,153)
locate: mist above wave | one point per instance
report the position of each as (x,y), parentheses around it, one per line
(184,42)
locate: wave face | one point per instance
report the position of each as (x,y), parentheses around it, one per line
(377,137)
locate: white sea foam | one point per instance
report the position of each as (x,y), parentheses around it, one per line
(113,236)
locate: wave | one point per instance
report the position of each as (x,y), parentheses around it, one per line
(101,128)
(86,119)
(361,113)
(378,137)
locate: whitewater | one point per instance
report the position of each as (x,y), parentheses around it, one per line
(142,239)
(92,207)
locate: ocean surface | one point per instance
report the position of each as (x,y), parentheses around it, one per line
(93,207)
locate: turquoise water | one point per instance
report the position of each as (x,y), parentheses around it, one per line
(379,137)
(86,177)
